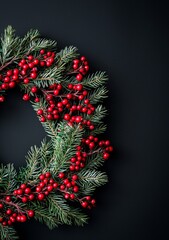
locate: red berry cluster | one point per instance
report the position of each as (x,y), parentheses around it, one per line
(38,192)
(78,161)
(11,213)
(25,193)
(89,146)
(87,202)
(73,106)
(26,71)
(81,68)
(68,186)
(90,141)
(107,148)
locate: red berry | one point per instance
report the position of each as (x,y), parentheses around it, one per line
(67,195)
(50,188)
(42,51)
(30,57)
(8,198)
(2,99)
(84,204)
(79,77)
(76,61)
(31,197)
(36,61)
(19,191)
(9,73)
(38,189)
(75,66)
(40,112)
(70,86)
(61,175)
(86,68)
(24,199)
(76,189)
(106,155)
(67,117)
(43,119)
(93,202)
(79,87)
(31,213)
(34,89)
(56,92)
(27,190)
(26,80)
(23,218)
(62,187)
(55,185)
(26,97)
(41,196)
(74,177)
(48,174)
(31,65)
(9,212)
(88,198)
(33,75)
(72,196)
(82,58)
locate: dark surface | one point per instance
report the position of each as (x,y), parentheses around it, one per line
(128,39)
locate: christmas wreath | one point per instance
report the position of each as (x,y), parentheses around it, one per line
(61,175)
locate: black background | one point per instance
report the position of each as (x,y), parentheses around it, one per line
(129,40)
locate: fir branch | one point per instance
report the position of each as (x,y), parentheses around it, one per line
(65,143)
(51,75)
(66,55)
(95,161)
(33,168)
(43,215)
(64,213)
(7,177)
(49,126)
(95,80)
(98,95)
(89,180)
(99,114)
(99,129)
(9,43)
(46,150)
(42,43)
(7,233)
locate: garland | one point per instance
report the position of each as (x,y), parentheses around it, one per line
(62,174)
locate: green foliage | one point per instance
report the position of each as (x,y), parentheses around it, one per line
(43,215)
(95,161)
(99,114)
(98,95)
(33,167)
(7,233)
(64,213)
(66,55)
(7,178)
(95,80)
(50,127)
(65,143)
(89,180)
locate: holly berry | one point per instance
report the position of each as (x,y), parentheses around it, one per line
(31,213)
(79,77)
(26,97)
(41,196)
